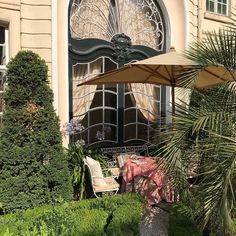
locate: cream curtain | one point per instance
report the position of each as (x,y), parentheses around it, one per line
(83,95)
(137,20)
(147,97)
(88,19)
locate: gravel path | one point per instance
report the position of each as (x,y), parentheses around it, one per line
(156,221)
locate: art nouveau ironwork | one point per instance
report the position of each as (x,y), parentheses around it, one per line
(139,19)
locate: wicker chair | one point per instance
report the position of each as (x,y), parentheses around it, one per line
(100,184)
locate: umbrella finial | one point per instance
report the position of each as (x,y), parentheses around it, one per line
(172,49)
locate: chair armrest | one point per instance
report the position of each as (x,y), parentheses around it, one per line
(115,171)
(110,180)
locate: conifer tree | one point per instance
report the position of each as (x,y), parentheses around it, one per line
(33,168)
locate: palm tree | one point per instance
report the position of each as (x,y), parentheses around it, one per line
(206,132)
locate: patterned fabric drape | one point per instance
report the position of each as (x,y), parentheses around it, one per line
(83,95)
(144,94)
(87,20)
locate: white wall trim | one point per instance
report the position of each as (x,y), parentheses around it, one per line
(186,24)
(55,55)
(67,56)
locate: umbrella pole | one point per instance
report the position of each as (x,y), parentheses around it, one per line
(173,99)
(173,104)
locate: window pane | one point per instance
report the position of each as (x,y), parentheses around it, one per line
(110,65)
(97,100)
(96,117)
(2,35)
(130,132)
(212,7)
(2,46)
(96,133)
(219,6)
(110,116)
(130,116)
(222,7)
(110,100)
(142,132)
(207,5)
(222,1)
(110,132)
(224,12)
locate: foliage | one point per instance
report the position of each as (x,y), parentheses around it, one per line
(101,216)
(180,222)
(80,181)
(76,152)
(75,155)
(205,132)
(32,161)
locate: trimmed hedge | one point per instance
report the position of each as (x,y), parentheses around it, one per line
(117,215)
(33,166)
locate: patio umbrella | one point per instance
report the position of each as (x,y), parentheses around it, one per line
(171,69)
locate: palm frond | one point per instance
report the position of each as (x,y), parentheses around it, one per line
(205,131)
(216,48)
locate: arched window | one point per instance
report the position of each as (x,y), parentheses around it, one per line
(105,35)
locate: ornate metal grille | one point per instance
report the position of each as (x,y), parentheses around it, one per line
(104,35)
(139,19)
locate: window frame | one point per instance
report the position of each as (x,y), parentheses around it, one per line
(85,50)
(216,4)
(3,68)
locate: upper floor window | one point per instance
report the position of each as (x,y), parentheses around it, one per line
(3,62)
(217,6)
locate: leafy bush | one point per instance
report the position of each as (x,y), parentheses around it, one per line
(117,215)
(80,182)
(32,161)
(181,222)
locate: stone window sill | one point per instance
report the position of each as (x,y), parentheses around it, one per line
(218,18)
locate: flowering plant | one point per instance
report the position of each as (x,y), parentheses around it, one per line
(76,152)
(72,129)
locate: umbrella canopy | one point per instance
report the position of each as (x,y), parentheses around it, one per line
(171,69)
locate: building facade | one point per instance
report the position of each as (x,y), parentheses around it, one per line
(81,38)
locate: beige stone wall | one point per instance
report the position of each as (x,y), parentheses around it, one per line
(176,16)
(62,62)
(29,24)
(202,21)
(36,33)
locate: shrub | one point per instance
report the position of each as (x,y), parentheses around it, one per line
(181,222)
(80,181)
(117,215)
(32,161)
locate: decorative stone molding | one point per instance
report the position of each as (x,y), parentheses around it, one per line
(121,44)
